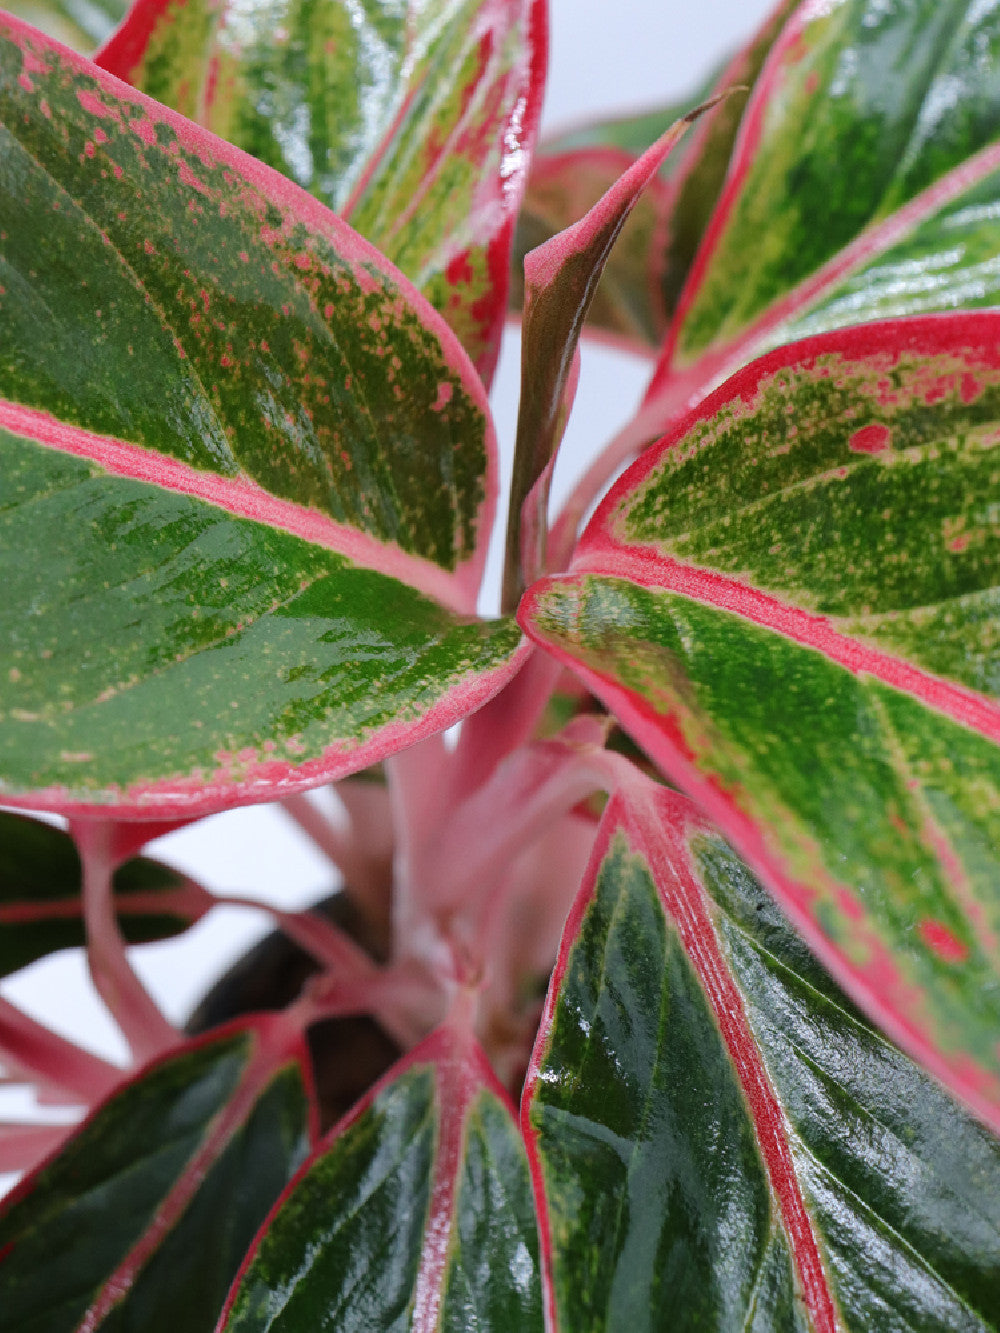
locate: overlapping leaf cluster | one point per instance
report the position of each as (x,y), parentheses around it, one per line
(248,480)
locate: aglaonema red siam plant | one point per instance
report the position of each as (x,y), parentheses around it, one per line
(663,987)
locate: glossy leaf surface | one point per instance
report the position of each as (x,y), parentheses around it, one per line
(416,1215)
(645,273)
(255,467)
(722,1142)
(561,278)
(790,604)
(152,1204)
(413,121)
(41,908)
(866,121)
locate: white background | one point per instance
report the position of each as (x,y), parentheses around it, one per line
(604,57)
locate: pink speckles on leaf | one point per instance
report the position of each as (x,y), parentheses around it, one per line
(93,106)
(144,129)
(944,942)
(444,396)
(873,439)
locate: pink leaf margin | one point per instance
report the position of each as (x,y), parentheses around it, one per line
(304,209)
(658,825)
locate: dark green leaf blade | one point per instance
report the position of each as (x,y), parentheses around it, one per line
(416,1214)
(41,908)
(732,1145)
(412,121)
(151,1205)
(791,601)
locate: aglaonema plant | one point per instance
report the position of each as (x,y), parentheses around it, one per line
(664,991)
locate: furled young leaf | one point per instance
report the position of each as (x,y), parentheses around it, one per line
(718,1139)
(791,604)
(142,1219)
(869,149)
(41,908)
(646,271)
(413,121)
(415,1215)
(254,470)
(560,280)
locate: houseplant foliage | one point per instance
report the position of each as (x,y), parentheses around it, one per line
(720,823)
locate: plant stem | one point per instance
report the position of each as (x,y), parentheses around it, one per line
(57,1067)
(137,1014)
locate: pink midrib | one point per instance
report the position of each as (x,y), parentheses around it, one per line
(684,900)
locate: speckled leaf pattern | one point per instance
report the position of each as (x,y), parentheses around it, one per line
(790,602)
(412,120)
(867,121)
(720,1139)
(646,271)
(41,908)
(265,661)
(160,288)
(254,468)
(416,1215)
(150,1207)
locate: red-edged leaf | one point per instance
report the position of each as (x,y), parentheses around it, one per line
(560,279)
(643,278)
(41,907)
(791,603)
(254,469)
(414,122)
(415,1214)
(868,156)
(718,1140)
(143,1217)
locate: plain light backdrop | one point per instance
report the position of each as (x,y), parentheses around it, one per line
(604,57)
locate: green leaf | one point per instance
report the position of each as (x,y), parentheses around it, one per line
(254,469)
(644,275)
(41,908)
(413,121)
(141,1221)
(721,1140)
(791,604)
(871,127)
(81,24)
(416,1214)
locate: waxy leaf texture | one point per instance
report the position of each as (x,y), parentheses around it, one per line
(142,1220)
(645,273)
(254,467)
(719,1140)
(412,121)
(789,601)
(416,1214)
(868,155)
